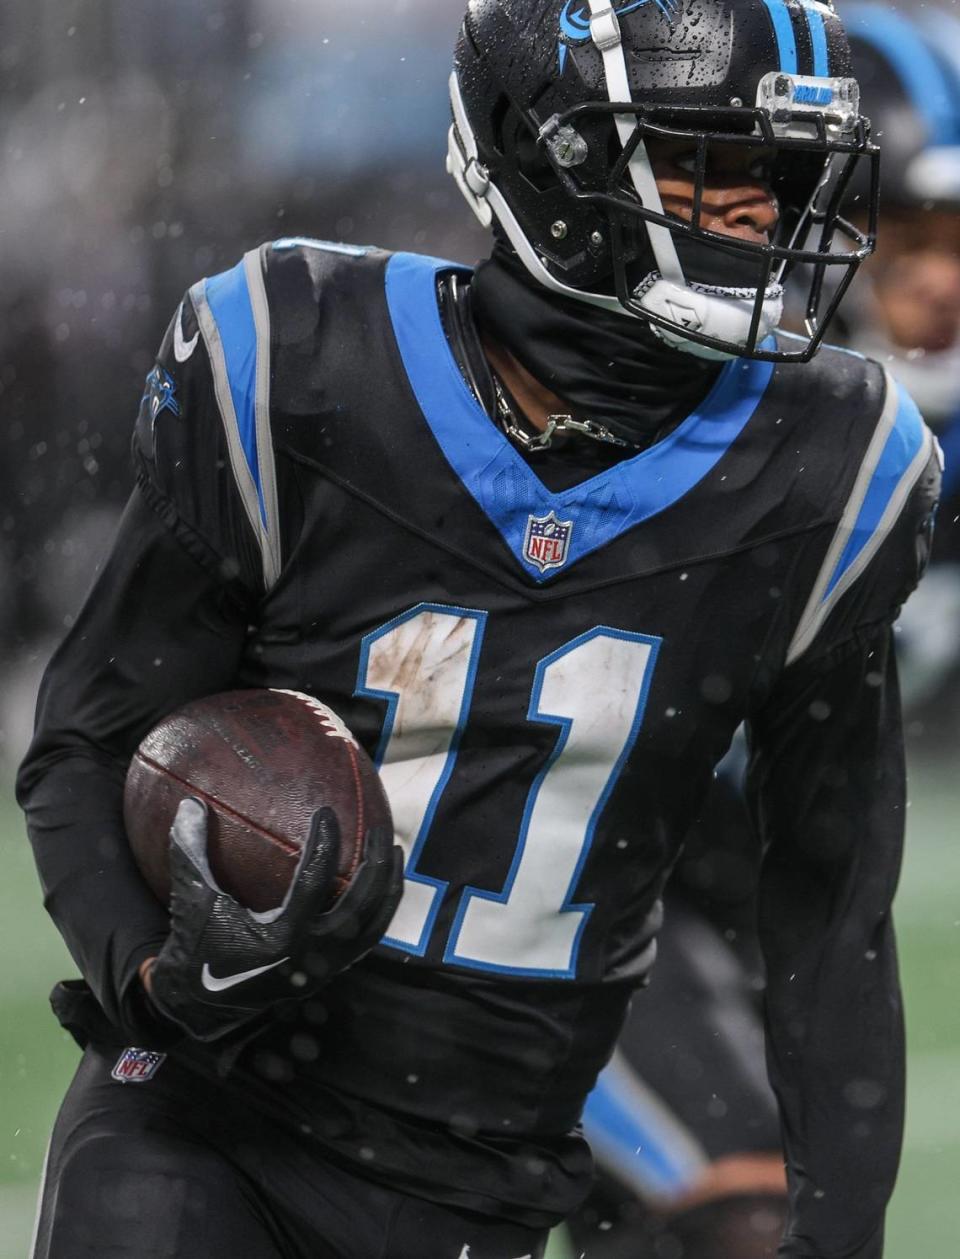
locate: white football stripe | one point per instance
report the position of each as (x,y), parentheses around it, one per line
(335,726)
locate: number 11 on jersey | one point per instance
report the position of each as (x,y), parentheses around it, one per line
(594,689)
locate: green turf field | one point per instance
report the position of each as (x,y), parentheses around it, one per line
(36,1058)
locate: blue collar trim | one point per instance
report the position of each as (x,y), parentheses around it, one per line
(545,532)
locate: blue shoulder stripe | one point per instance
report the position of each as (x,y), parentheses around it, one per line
(895,459)
(637,1138)
(234,319)
(229,299)
(326,246)
(899,452)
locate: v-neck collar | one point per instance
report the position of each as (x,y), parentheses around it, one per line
(548,532)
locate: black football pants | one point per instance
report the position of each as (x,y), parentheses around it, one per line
(158,1171)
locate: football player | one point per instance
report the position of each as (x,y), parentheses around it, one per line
(907,312)
(544,535)
(683,1123)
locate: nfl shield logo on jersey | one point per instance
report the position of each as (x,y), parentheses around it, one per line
(137,1066)
(547,542)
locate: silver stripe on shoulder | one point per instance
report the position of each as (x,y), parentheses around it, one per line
(272,559)
(893,509)
(819,607)
(238,460)
(228,414)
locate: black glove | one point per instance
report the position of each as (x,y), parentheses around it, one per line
(223,965)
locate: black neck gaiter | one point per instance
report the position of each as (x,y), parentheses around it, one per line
(605,366)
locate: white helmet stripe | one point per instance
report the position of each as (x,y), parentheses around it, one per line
(462,156)
(605,29)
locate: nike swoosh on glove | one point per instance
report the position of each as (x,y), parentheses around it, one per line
(223,965)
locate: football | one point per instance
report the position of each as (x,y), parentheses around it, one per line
(262,761)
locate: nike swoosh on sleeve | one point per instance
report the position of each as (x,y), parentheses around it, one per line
(182,350)
(213,984)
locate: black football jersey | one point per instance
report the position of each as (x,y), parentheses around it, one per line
(545,678)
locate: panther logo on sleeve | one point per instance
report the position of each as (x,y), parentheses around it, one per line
(160,394)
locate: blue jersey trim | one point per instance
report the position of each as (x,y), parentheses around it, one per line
(229,300)
(899,451)
(495,474)
(921,74)
(642,1149)
(328,246)
(818,37)
(783,29)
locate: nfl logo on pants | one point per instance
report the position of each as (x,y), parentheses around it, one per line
(137,1066)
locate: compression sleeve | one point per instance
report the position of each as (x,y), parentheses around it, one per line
(827,788)
(157,630)
(827,785)
(165,623)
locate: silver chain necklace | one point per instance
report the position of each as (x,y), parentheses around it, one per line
(557,425)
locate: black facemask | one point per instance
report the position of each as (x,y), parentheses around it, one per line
(605,366)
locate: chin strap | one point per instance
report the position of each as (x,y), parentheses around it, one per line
(725,316)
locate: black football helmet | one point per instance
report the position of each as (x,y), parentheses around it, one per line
(554,102)
(908,67)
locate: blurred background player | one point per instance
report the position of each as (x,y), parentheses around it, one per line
(906,313)
(683,1123)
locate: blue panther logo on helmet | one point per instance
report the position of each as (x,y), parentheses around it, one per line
(575,19)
